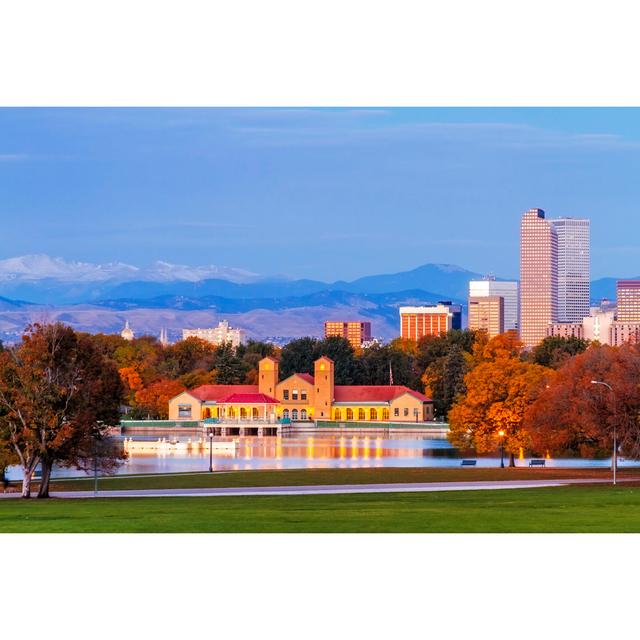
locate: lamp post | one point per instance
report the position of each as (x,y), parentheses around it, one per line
(501,434)
(614,455)
(210,433)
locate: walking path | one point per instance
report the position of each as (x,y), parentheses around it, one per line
(425,487)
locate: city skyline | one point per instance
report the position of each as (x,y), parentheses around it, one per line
(234,186)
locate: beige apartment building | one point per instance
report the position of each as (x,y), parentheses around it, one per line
(486,313)
(628,300)
(217,335)
(538,277)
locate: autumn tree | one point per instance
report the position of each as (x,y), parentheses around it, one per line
(152,401)
(57,394)
(574,416)
(498,393)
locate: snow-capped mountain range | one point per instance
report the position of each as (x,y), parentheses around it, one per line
(31,268)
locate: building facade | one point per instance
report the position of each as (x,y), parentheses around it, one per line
(628,300)
(623,333)
(486,313)
(574,272)
(301,397)
(565,330)
(538,277)
(417,322)
(508,290)
(217,335)
(355,332)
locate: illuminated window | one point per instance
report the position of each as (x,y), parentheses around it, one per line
(385,414)
(285,413)
(254,412)
(294,414)
(294,394)
(243,412)
(303,414)
(349,414)
(285,394)
(373,414)
(361,414)
(337,414)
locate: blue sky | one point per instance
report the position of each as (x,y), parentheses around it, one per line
(319,193)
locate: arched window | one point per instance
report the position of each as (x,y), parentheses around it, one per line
(361,414)
(337,414)
(303,414)
(294,414)
(243,412)
(373,414)
(385,414)
(254,413)
(231,412)
(349,414)
(285,413)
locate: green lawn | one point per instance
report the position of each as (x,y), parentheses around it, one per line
(299,477)
(564,509)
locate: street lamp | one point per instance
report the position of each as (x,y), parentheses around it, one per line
(210,433)
(614,455)
(501,434)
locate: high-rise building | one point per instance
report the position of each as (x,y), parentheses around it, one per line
(486,313)
(355,332)
(573,268)
(507,290)
(417,322)
(216,335)
(628,300)
(538,277)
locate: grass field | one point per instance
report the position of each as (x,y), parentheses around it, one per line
(588,509)
(300,477)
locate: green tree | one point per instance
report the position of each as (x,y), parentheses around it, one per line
(554,351)
(342,354)
(229,368)
(444,379)
(298,356)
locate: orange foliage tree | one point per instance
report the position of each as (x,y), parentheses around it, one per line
(153,400)
(574,416)
(499,389)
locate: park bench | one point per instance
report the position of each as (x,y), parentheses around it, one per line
(469,463)
(535,462)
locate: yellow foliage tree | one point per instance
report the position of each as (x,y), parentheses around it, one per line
(498,393)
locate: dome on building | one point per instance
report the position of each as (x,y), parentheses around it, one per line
(127,332)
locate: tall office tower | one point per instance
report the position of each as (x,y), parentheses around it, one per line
(508,290)
(628,298)
(538,277)
(573,268)
(417,322)
(355,332)
(486,313)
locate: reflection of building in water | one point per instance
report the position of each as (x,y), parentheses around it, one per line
(301,397)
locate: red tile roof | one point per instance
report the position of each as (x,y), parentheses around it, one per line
(305,376)
(373,393)
(215,392)
(249,398)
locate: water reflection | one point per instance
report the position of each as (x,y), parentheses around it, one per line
(311,451)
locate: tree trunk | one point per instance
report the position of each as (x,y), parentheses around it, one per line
(43,492)
(26,483)
(512,460)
